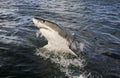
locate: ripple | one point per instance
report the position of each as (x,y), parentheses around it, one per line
(96,24)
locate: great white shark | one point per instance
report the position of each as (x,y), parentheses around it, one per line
(59,40)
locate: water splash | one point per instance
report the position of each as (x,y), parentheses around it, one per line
(72,66)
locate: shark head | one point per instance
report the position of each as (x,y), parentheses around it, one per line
(58,39)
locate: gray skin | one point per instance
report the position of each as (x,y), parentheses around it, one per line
(58,39)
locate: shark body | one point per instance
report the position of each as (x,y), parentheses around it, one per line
(58,39)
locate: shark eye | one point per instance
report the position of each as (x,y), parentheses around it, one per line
(43,21)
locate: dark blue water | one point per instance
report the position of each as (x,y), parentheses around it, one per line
(95,22)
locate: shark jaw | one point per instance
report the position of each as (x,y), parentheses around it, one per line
(57,38)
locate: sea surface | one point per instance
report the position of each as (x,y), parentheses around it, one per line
(96,23)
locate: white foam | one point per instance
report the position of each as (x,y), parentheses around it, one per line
(68,65)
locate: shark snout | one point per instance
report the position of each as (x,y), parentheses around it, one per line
(39,23)
(36,22)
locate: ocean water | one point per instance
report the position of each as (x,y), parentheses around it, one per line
(96,23)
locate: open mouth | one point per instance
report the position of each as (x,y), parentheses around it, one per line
(44,28)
